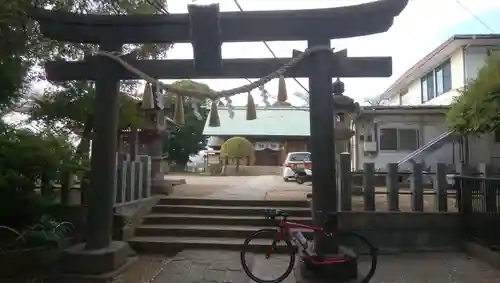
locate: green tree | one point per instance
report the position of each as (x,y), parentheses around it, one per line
(26,159)
(189,139)
(23,50)
(237,148)
(477,109)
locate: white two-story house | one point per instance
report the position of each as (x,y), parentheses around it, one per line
(433,82)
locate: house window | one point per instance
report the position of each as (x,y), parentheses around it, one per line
(443,78)
(446,67)
(388,139)
(398,139)
(428,91)
(436,82)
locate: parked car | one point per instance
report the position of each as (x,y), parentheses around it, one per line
(294,160)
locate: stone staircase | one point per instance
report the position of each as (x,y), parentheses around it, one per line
(175,224)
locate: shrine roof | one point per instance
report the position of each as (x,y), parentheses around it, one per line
(271,121)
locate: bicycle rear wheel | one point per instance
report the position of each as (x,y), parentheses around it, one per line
(365,251)
(272,261)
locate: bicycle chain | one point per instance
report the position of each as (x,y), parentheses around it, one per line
(215,95)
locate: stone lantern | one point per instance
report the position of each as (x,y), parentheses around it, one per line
(344,108)
(152,134)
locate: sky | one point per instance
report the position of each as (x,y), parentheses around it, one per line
(421,27)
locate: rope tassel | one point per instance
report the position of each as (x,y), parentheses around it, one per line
(179,110)
(213,120)
(147,98)
(282,95)
(251,109)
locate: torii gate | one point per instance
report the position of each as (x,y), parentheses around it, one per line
(207,29)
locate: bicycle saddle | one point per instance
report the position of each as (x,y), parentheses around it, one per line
(272,213)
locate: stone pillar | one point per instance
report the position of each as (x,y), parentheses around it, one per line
(324,183)
(155,150)
(99,256)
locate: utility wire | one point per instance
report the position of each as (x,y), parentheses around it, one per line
(474,16)
(270,49)
(160,8)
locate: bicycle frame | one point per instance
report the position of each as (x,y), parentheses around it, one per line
(285,229)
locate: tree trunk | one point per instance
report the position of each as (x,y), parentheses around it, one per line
(81,153)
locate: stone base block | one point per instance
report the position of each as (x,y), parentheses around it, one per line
(108,277)
(78,260)
(345,272)
(161,187)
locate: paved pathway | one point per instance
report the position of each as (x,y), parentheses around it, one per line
(240,187)
(192,266)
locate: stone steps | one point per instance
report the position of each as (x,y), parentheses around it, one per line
(232,202)
(202,231)
(172,245)
(227,210)
(194,219)
(175,224)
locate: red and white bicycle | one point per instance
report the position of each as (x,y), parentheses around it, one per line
(281,239)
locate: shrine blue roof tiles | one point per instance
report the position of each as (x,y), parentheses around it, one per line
(271,121)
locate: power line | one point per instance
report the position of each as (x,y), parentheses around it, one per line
(270,49)
(474,16)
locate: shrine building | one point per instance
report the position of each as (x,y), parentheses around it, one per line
(278,129)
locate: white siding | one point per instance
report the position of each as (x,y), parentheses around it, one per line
(482,149)
(414,95)
(475,58)
(430,127)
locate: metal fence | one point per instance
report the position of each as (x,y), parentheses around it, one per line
(479,205)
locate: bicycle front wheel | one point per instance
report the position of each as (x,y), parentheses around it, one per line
(265,259)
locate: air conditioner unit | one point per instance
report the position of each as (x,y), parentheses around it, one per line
(370,146)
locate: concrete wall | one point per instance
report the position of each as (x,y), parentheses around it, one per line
(395,232)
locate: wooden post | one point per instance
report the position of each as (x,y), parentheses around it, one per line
(133,141)
(137,195)
(441,188)
(463,189)
(490,187)
(369,186)
(130,181)
(417,190)
(392,183)
(146,181)
(121,181)
(345,182)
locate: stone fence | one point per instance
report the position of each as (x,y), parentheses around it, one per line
(427,191)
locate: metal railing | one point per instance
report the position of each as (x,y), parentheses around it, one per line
(479,205)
